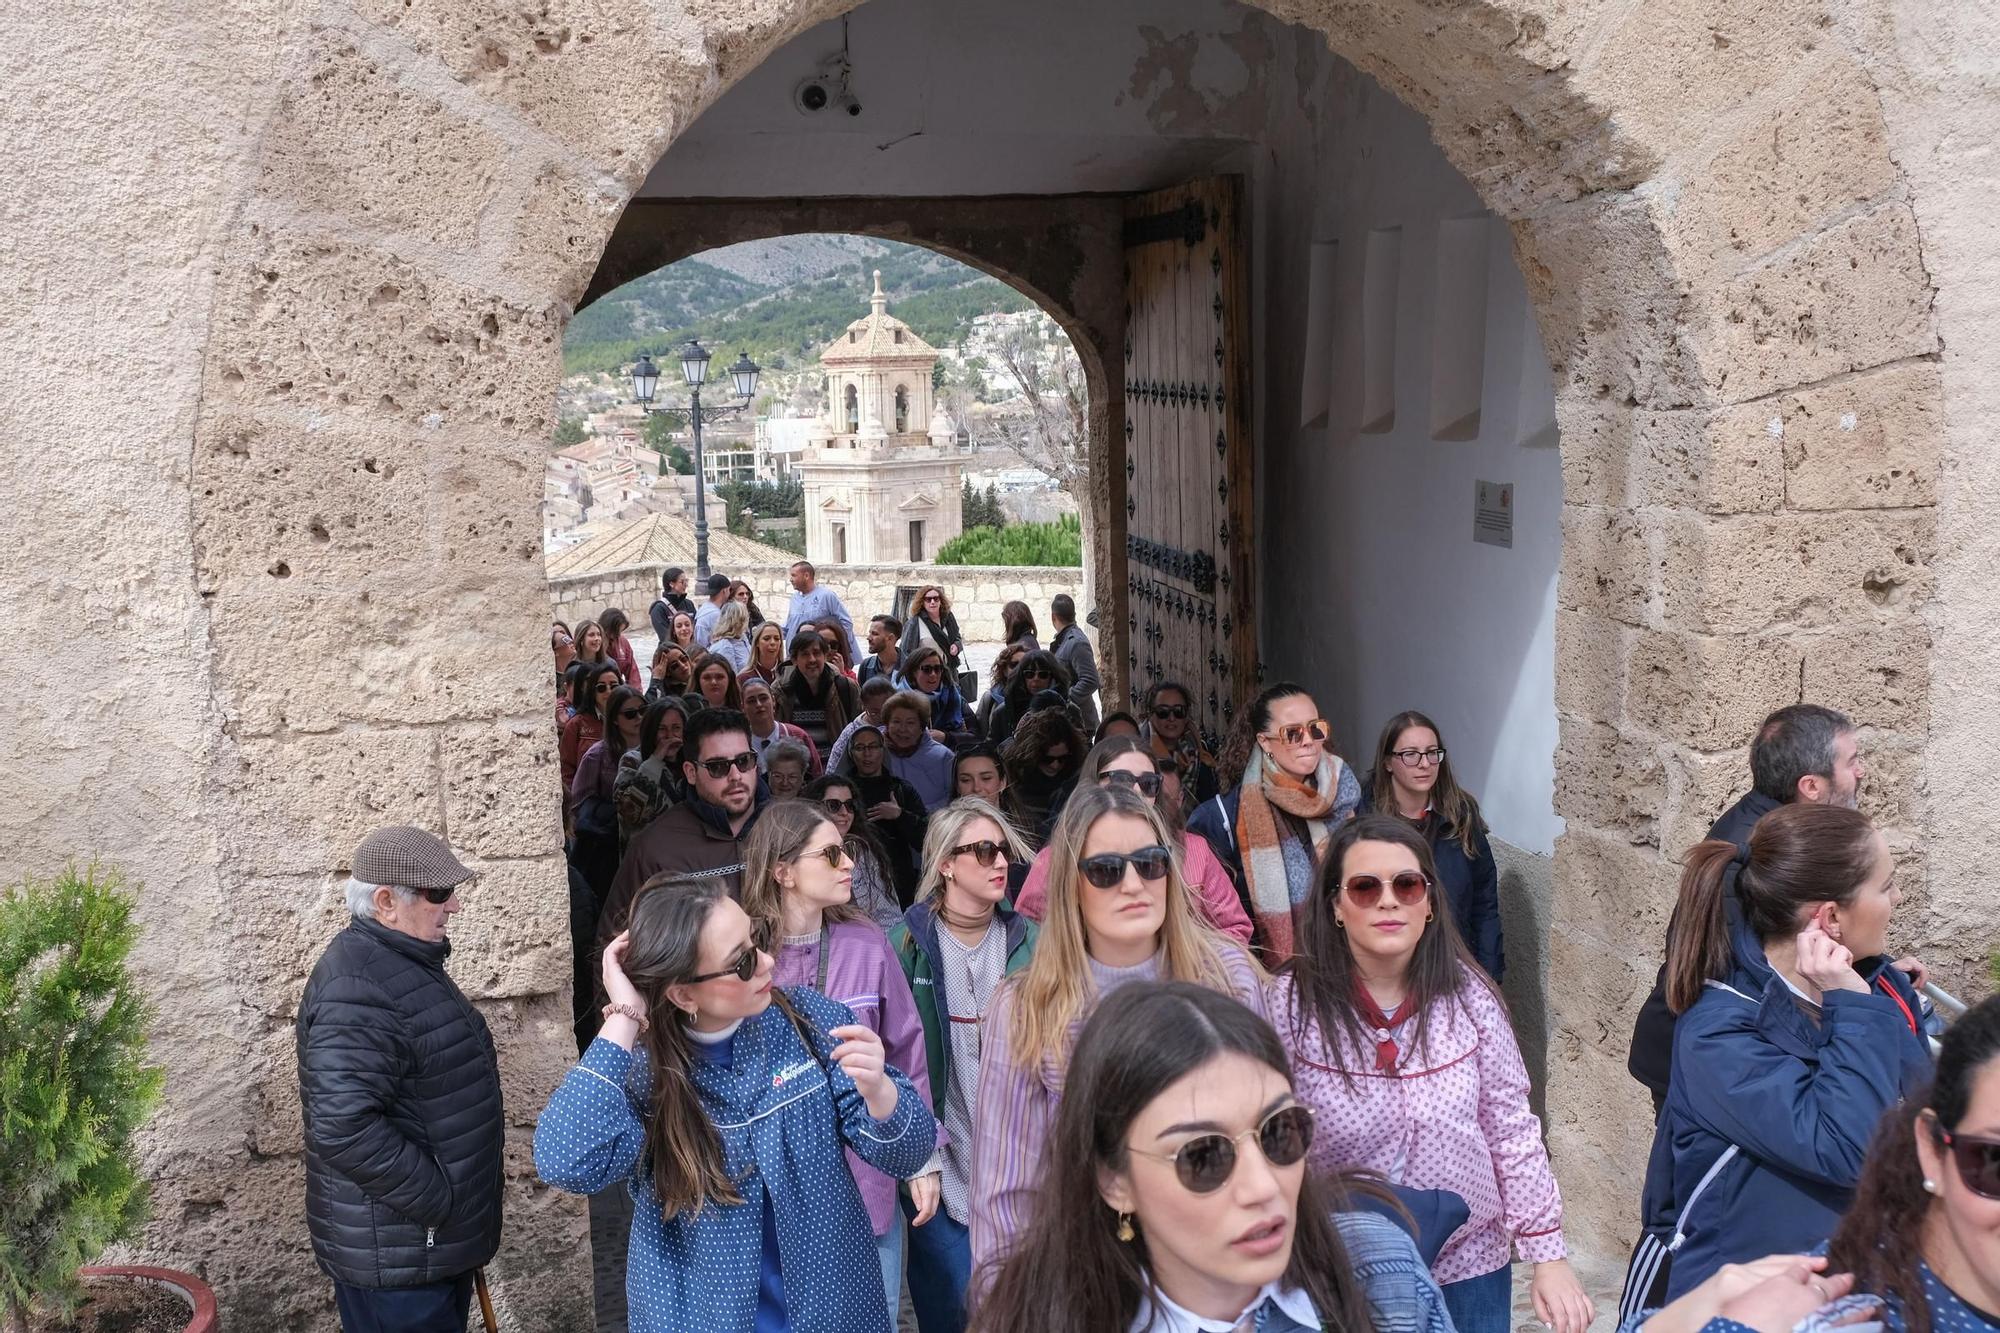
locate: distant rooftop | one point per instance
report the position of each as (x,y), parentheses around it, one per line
(661,539)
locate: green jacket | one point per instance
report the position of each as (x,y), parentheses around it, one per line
(916,945)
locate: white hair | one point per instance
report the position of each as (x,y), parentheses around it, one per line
(787,749)
(361,896)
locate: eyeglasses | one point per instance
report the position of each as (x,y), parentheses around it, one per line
(1037,673)
(1298,733)
(872,747)
(1054,759)
(438,897)
(1205,1163)
(834,853)
(1978,1160)
(744,968)
(603,687)
(929,669)
(1147,783)
(838,805)
(719,768)
(1108,870)
(984,851)
(1412,758)
(1171,712)
(630,712)
(931,597)
(1410,887)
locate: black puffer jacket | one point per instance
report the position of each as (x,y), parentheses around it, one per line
(403,1123)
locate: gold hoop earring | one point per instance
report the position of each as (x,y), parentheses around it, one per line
(1125,1232)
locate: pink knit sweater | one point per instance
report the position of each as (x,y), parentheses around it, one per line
(1452,1116)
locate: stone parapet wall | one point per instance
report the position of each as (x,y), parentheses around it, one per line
(977,592)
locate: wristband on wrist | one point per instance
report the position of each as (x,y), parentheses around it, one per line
(630,1012)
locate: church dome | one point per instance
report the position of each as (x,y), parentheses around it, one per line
(878,336)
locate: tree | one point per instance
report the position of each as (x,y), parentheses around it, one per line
(569,430)
(1049,425)
(659,436)
(74,1084)
(1046,544)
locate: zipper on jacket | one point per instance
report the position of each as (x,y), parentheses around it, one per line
(430,1238)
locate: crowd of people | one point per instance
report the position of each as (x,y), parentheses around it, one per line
(1038,1019)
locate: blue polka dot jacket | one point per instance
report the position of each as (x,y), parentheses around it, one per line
(784,1113)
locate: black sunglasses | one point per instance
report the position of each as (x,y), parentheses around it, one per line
(1037,673)
(840,805)
(1108,871)
(1205,1163)
(1978,1160)
(1410,887)
(985,851)
(631,712)
(1172,712)
(603,687)
(1147,783)
(719,768)
(744,968)
(929,668)
(438,897)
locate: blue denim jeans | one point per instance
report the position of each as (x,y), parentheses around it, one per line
(889,1249)
(435,1307)
(940,1271)
(1482,1304)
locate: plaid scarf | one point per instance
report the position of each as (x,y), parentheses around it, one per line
(1277,865)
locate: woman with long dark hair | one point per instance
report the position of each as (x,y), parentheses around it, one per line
(1128,761)
(796,888)
(683,636)
(1289,792)
(1177,1196)
(1038,674)
(723,1103)
(931,624)
(1005,662)
(957,943)
(592,804)
(1795,1035)
(1118,912)
(874,889)
(669,678)
(614,622)
(592,689)
(1043,758)
(1017,625)
(714,680)
(1405,1050)
(1412,779)
(742,594)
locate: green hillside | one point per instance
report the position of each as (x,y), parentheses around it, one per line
(780,326)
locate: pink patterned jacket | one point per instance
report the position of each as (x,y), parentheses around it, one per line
(1452,1116)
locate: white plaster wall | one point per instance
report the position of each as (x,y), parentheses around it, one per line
(1376,597)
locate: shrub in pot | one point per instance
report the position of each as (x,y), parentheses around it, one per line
(74,1084)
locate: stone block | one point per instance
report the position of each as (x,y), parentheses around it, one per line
(1879,676)
(1895,787)
(301,804)
(1875,441)
(513,936)
(1601,987)
(1848,298)
(612,82)
(503,788)
(1608,782)
(277,1126)
(239,1221)
(1591,652)
(560,230)
(1607,564)
(537,1048)
(349,327)
(1747,574)
(1699,788)
(1706,692)
(1613,892)
(355,142)
(1718,462)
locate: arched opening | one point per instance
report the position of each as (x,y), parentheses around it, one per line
(380,357)
(851,410)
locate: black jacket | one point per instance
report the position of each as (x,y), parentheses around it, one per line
(1651,1059)
(1471,884)
(403,1124)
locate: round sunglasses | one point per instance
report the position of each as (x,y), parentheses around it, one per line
(1410,887)
(744,968)
(835,854)
(1205,1163)
(1108,870)
(1298,733)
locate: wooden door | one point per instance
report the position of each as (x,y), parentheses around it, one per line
(1190,562)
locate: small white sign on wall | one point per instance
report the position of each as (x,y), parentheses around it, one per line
(1493,513)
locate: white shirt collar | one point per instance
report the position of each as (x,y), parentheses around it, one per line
(1172,1318)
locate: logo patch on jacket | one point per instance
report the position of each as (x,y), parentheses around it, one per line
(790,1072)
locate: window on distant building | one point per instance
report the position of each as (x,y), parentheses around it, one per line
(840,543)
(853,409)
(917,539)
(902,409)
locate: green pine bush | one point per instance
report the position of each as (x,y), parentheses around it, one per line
(1059,544)
(74,1083)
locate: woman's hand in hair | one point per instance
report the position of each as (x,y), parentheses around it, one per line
(925,1192)
(1826,963)
(861,1058)
(618,987)
(1559,1298)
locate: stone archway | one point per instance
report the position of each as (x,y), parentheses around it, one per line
(1725,267)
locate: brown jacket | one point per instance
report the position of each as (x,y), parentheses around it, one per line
(679,842)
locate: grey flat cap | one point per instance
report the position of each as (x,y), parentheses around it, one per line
(407,857)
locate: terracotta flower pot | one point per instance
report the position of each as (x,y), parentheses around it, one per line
(200,1300)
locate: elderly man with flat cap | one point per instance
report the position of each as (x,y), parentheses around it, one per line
(401,1092)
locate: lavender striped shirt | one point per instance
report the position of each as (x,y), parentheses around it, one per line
(1017,1101)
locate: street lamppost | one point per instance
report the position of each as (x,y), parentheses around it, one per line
(694,367)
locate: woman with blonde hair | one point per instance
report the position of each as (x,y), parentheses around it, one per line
(767,653)
(730,638)
(798,891)
(957,943)
(1118,911)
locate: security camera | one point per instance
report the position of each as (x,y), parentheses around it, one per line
(811,97)
(853,107)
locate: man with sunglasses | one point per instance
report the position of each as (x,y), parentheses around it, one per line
(703,835)
(1072,648)
(400,1094)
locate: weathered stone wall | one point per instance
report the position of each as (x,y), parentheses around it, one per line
(341,241)
(977,592)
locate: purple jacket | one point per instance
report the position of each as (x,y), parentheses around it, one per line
(863,974)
